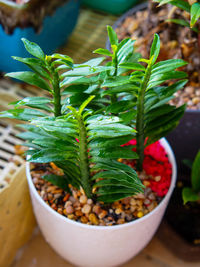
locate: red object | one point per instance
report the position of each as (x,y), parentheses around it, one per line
(156,163)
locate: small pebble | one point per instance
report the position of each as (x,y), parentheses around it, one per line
(70,216)
(120,221)
(151,196)
(97,209)
(72,199)
(118,211)
(84,219)
(83,199)
(68,203)
(93,219)
(103,214)
(89,201)
(157,178)
(133,202)
(69,209)
(140,214)
(86,209)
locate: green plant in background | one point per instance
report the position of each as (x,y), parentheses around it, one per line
(92,110)
(192,194)
(192,7)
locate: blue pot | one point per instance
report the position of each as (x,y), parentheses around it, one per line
(112,6)
(55,31)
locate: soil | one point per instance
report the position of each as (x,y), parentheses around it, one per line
(156,176)
(176,42)
(187,223)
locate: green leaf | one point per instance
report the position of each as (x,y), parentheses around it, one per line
(114,142)
(196,173)
(51,155)
(86,71)
(30,78)
(112,36)
(92,62)
(125,51)
(159,111)
(132,66)
(99,119)
(57,143)
(85,103)
(33,49)
(128,116)
(168,65)
(120,152)
(36,65)
(116,81)
(120,106)
(21,114)
(155,48)
(58,180)
(159,123)
(34,102)
(109,134)
(102,51)
(195,14)
(183,22)
(189,195)
(160,79)
(59,122)
(68,61)
(129,88)
(178,3)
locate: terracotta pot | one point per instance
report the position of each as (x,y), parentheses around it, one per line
(97,246)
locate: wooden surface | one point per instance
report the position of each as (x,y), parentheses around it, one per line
(37,253)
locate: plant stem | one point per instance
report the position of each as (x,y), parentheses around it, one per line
(115,62)
(140,137)
(84,162)
(56,93)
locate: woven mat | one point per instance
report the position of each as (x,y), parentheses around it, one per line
(90,34)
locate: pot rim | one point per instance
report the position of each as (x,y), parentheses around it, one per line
(172,160)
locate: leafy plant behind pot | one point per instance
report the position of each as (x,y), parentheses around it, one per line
(192,194)
(191,7)
(78,142)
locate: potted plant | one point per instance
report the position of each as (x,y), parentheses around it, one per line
(184,203)
(37,21)
(113,6)
(98,199)
(176,42)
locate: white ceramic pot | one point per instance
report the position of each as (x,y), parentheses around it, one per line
(98,246)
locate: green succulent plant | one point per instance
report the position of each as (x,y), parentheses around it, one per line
(192,194)
(75,139)
(92,110)
(138,97)
(191,7)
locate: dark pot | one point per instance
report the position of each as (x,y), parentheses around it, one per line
(185,139)
(182,235)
